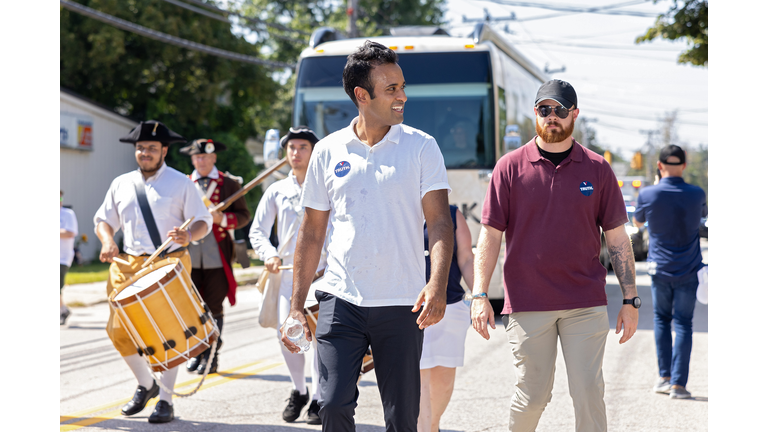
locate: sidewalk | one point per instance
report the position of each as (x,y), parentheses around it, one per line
(89,294)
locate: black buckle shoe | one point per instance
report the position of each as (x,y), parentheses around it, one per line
(193,363)
(140,399)
(296,402)
(214,364)
(313,413)
(63,316)
(163,413)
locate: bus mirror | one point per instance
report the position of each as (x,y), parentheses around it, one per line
(512,139)
(272,147)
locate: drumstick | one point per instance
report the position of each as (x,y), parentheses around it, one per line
(166,243)
(121,261)
(288,267)
(250,185)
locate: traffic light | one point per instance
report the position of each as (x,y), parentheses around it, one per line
(608,157)
(637,161)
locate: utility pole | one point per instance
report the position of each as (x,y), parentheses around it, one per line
(352,14)
(650,150)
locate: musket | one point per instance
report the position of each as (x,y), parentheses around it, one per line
(250,185)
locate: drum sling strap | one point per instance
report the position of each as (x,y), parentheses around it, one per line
(146,212)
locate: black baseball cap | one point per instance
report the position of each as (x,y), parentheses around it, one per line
(299,132)
(559,91)
(672,150)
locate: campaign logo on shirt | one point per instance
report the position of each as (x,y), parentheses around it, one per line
(586,188)
(342,169)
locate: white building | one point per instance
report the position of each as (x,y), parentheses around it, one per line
(90,157)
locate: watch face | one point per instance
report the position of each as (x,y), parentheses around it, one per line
(636,302)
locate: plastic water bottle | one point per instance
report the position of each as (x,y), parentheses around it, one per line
(295,332)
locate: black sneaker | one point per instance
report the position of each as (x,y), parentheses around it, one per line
(313,414)
(296,402)
(63,316)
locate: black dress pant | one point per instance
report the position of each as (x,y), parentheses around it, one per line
(344,332)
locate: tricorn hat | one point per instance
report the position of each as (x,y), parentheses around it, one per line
(300,132)
(202,146)
(152,130)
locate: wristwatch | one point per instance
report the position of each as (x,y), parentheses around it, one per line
(635,301)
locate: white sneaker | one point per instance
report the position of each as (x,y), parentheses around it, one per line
(679,393)
(662,386)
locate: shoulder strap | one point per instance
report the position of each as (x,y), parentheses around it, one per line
(146,212)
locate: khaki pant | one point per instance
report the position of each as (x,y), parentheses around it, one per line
(533,336)
(119,273)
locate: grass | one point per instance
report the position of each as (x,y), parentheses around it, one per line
(99,272)
(88,273)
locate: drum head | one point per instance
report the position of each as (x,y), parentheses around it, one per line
(145,282)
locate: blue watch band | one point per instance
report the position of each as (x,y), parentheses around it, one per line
(481,295)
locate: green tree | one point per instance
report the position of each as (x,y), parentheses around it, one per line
(686,19)
(195,94)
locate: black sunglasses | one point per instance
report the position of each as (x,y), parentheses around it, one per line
(545,110)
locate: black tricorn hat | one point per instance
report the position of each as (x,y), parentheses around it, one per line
(202,146)
(299,132)
(152,130)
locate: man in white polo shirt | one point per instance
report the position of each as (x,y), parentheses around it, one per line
(377,180)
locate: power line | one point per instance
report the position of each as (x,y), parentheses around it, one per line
(253,20)
(605,10)
(223,18)
(636,117)
(166,38)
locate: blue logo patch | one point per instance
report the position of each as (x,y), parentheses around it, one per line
(342,169)
(586,188)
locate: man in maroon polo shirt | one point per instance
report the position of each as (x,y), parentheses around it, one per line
(551,198)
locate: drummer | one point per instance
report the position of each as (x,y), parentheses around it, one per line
(212,256)
(281,200)
(172,199)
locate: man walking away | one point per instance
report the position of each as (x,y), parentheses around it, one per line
(673,210)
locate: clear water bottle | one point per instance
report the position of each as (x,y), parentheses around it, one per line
(295,332)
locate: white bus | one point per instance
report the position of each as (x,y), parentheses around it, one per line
(475,95)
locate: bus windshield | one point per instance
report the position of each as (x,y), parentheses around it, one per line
(449,97)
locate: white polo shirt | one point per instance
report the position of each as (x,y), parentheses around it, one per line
(376,239)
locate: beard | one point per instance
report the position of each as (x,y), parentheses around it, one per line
(151,170)
(554,136)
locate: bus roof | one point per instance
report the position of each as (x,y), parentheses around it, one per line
(481,37)
(400,44)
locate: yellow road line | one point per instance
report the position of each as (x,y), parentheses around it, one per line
(224,377)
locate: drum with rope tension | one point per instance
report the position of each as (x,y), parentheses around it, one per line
(164,315)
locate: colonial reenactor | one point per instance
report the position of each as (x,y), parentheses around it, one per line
(281,202)
(212,256)
(151,201)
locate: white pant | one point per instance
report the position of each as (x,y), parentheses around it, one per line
(296,362)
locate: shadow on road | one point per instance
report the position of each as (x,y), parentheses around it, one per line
(178,424)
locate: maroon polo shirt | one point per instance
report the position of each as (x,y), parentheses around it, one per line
(552,218)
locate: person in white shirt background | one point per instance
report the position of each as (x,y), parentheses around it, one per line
(67,234)
(281,201)
(172,198)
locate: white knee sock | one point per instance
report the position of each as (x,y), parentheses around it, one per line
(315,368)
(168,378)
(140,370)
(295,363)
